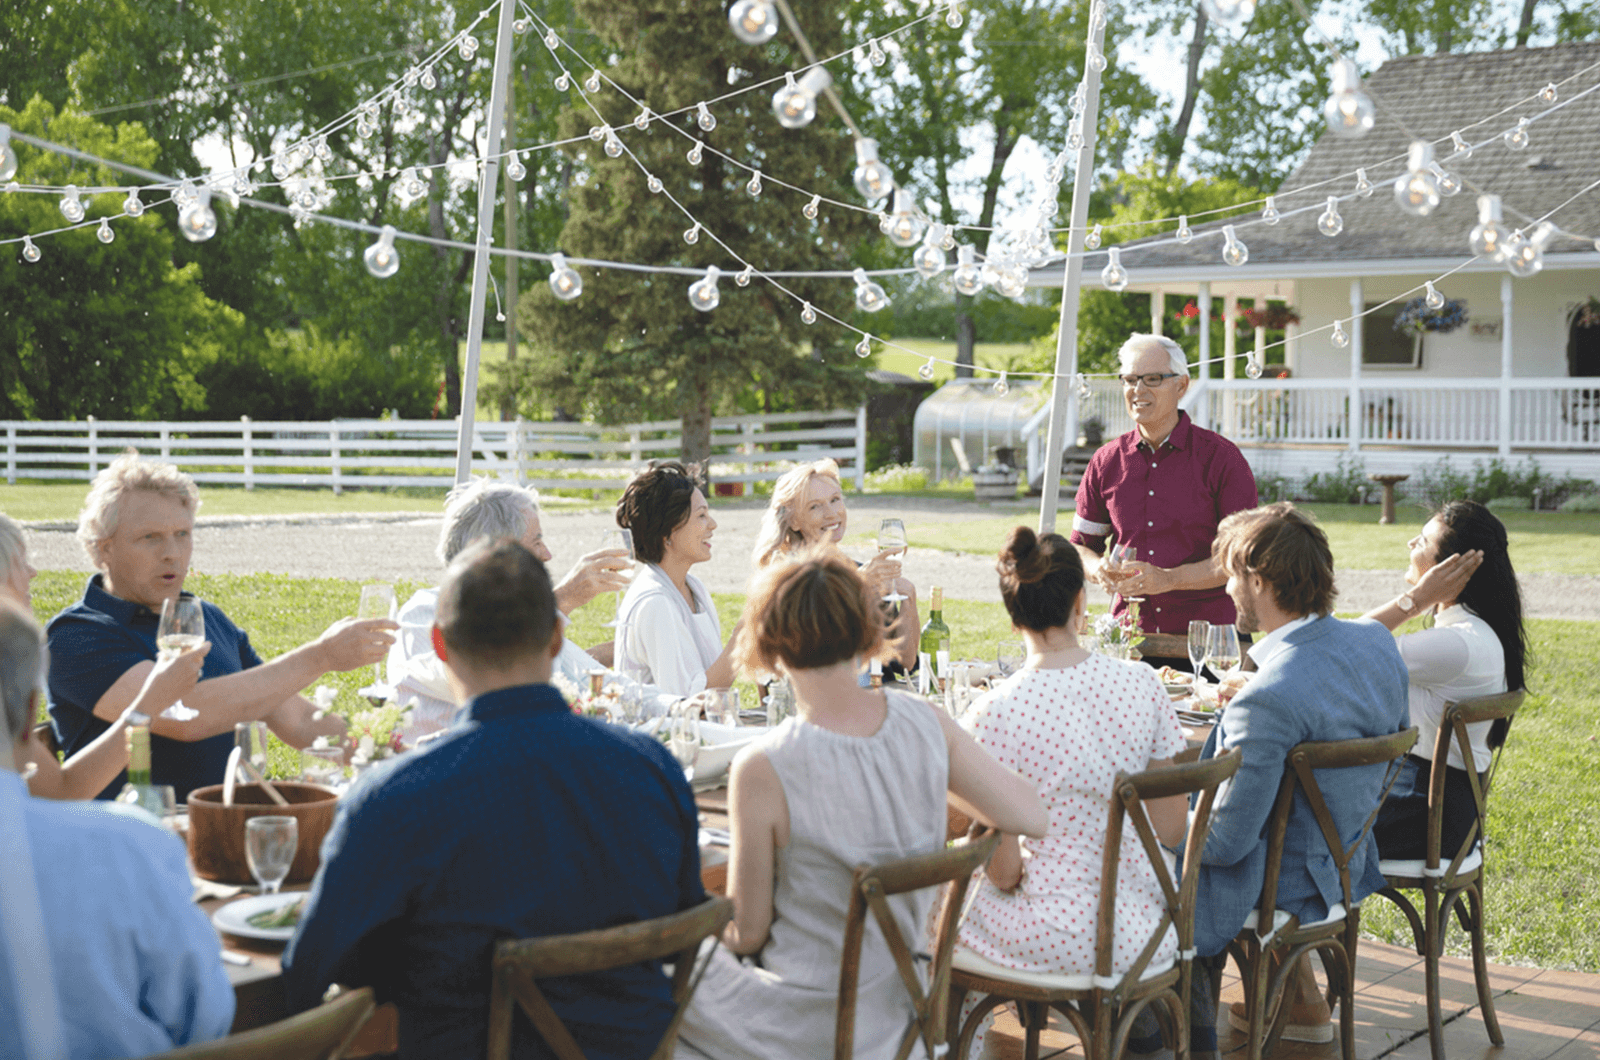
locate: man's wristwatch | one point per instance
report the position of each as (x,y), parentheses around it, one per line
(1406,604)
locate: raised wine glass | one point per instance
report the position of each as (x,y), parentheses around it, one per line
(683,737)
(623,539)
(1222,651)
(1199,640)
(377,601)
(269,846)
(182,628)
(892,535)
(1125,555)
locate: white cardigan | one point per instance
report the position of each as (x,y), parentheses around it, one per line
(659,636)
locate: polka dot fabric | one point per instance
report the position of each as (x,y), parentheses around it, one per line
(1069,732)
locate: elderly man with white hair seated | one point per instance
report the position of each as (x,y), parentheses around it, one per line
(137,527)
(484,509)
(1162,488)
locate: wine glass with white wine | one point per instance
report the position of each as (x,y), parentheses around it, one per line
(1222,651)
(892,536)
(623,539)
(182,628)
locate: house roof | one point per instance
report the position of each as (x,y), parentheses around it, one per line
(1433,96)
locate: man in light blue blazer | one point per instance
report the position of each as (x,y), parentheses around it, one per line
(1318,678)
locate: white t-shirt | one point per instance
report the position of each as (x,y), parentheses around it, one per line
(1459,658)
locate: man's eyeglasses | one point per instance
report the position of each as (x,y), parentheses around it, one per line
(1153,380)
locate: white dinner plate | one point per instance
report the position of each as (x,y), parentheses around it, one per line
(234,918)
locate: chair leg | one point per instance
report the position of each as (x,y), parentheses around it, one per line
(1480,964)
(962,1045)
(1034,1017)
(1432,941)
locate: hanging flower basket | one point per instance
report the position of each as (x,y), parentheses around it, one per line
(1189,318)
(1415,317)
(1589,313)
(1272,318)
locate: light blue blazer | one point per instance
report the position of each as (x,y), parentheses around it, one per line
(1331,679)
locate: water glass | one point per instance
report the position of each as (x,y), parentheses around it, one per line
(722,706)
(1009,656)
(269,846)
(1199,639)
(322,765)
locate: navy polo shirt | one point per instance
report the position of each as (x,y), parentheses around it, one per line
(100,638)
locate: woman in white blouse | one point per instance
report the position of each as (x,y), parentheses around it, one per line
(1460,569)
(668,633)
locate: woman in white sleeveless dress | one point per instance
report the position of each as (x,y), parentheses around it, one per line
(860,775)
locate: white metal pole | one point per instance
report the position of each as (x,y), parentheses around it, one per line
(1063,397)
(487,177)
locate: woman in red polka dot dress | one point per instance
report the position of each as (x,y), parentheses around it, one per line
(1068,722)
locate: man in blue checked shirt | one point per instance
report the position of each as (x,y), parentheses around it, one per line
(522,820)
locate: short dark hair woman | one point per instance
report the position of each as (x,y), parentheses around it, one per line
(668,633)
(1461,570)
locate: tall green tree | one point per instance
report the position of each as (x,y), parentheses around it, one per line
(632,345)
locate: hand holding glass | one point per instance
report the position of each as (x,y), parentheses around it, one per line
(892,536)
(182,628)
(377,601)
(269,846)
(622,539)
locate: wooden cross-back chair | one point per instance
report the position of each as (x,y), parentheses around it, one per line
(1102,1006)
(322,1033)
(1444,885)
(1266,955)
(519,963)
(872,887)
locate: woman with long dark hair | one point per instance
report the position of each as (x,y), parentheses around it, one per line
(1461,570)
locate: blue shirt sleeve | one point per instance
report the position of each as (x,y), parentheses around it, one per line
(1263,731)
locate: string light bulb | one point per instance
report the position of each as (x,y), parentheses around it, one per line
(1092,240)
(515,169)
(1083,386)
(795,104)
(1517,139)
(30,253)
(468,47)
(1349,111)
(1269,212)
(1337,336)
(1329,223)
(808,315)
(8,154)
(704,118)
(864,347)
(1094,58)
(613,146)
(565,283)
(641,120)
(928,259)
(1459,145)
(1185,233)
(1417,190)
(411,184)
(745,275)
(591,84)
(947,241)
(563,81)
(703,293)
(1548,93)
(1252,365)
(1363,185)
(1001,386)
(1433,299)
(1525,257)
(696,153)
(870,296)
(382,260)
(1448,183)
(131,205)
(71,205)
(1114,276)
(429,81)
(654,184)
(754,187)
(104,233)
(872,178)
(754,21)
(875,53)
(198,221)
(952,18)
(1229,12)
(1489,238)
(692,236)
(926,371)
(968,278)
(1011,282)
(810,208)
(905,227)
(1233,252)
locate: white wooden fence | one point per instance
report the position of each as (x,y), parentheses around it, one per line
(352,453)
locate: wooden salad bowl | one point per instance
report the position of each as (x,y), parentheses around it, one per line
(216,832)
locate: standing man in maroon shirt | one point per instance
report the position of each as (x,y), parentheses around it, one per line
(1162,488)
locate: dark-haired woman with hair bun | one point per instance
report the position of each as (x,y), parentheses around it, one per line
(1068,721)
(1460,569)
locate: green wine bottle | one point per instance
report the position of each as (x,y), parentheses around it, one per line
(139,755)
(934,645)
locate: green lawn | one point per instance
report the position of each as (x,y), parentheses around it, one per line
(987,354)
(1544,826)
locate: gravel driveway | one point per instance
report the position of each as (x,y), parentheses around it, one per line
(393,546)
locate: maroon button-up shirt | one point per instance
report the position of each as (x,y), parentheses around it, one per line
(1167,504)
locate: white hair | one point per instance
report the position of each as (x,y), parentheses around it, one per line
(485,508)
(777,533)
(21,669)
(127,474)
(1139,342)
(12,546)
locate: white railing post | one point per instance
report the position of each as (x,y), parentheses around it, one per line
(166,442)
(333,457)
(1506,349)
(517,456)
(1358,306)
(94,448)
(635,453)
(11,455)
(861,448)
(249,453)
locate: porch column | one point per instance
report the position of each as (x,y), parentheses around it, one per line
(1505,364)
(1202,408)
(1230,344)
(1261,345)
(1158,309)
(1358,303)
(1291,345)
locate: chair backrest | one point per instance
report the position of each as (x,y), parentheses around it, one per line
(872,887)
(1300,768)
(1499,708)
(323,1033)
(518,963)
(1132,791)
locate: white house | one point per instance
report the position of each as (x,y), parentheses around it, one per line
(1520,379)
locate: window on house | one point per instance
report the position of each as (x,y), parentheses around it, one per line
(1384,347)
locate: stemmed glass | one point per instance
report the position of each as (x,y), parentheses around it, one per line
(683,737)
(892,535)
(182,628)
(269,846)
(1222,651)
(1199,641)
(622,539)
(377,601)
(1009,656)
(1121,556)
